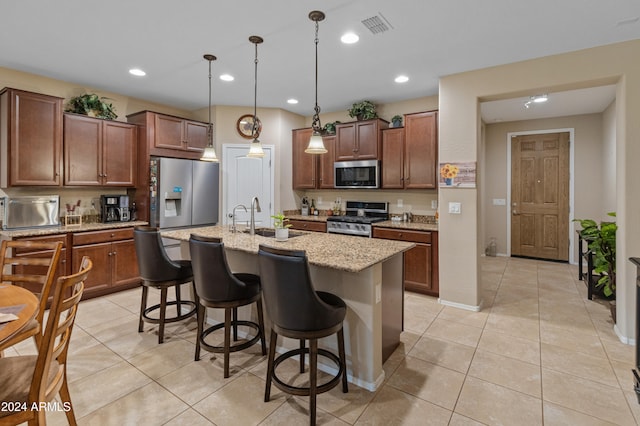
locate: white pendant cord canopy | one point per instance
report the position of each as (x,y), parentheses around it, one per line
(209,153)
(256,147)
(316,144)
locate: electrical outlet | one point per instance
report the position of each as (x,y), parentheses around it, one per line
(434,204)
(454,208)
(378,293)
(319,200)
(400,202)
(499,202)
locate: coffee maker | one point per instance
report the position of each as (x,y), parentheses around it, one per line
(115,208)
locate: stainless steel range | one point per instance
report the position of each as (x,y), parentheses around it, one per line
(358,218)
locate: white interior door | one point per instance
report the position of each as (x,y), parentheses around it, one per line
(244,178)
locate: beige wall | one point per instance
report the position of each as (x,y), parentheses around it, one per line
(459,141)
(608,164)
(588,171)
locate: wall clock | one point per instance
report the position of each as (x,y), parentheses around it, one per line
(245,126)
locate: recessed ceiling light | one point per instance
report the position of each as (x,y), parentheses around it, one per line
(226,77)
(538,99)
(349,38)
(292,101)
(401,79)
(137,72)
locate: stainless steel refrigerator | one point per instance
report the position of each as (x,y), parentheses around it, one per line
(183,192)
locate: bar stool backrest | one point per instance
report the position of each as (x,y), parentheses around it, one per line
(153,262)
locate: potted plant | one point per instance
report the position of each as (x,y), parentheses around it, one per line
(282,228)
(330,128)
(396,120)
(364,110)
(92,105)
(602,242)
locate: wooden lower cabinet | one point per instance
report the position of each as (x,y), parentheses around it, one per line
(308,225)
(113,254)
(63,262)
(420,262)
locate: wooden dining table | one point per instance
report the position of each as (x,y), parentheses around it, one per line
(19,301)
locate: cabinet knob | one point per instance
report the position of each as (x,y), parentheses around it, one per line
(399,234)
(113,235)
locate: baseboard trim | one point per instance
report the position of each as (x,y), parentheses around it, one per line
(624,339)
(459,305)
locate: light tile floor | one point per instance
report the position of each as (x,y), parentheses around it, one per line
(538,353)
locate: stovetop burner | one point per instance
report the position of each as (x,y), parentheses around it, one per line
(355,219)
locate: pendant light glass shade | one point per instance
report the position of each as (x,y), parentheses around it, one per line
(209,153)
(316,144)
(256,147)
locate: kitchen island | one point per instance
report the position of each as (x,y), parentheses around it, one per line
(366,273)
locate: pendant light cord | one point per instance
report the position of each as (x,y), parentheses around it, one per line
(210,127)
(254,131)
(316,119)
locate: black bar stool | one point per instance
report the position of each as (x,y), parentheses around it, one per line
(299,312)
(159,271)
(218,287)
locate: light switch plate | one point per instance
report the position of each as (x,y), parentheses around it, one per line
(434,204)
(400,202)
(319,200)
(499,202)
(378,293)
(454,208)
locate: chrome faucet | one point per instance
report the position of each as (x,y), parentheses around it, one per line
(255,206)
(233,227)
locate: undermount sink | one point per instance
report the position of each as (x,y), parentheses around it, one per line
(270,232)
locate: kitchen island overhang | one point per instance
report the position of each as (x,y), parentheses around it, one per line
(366,273)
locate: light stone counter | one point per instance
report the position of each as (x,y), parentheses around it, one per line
(342,252)
(53,230)
(365,272)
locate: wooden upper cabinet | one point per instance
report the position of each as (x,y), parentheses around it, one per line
(326,176)
(359,140)
(180,134)
(99,152)
(168,136)
(421,150)
(30,139)
(304,165)
(393,158)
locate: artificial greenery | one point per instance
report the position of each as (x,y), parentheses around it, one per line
(602,242)
(330,128)
(279,221)
(396,120)
(92,104)
(364,110)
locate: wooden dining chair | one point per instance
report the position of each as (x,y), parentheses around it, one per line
(31,381)
(36,272)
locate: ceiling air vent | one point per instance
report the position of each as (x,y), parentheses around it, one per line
(377,24)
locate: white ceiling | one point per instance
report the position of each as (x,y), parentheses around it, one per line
(94,44)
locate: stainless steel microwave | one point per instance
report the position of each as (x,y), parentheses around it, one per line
(357,174)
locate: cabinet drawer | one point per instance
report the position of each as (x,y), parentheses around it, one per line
(47,239)
(402,234)
(83,238)
(307,225)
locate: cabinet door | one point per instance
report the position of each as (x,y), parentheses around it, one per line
(168,132)
(195,136)
(418,268)
(393,158)
(33,127)
(367,140)
(100,254)
(82,150)
(325,170)
(119,153)
(308,225)
(304,165)
(125,263)
(421,144)
(345,142)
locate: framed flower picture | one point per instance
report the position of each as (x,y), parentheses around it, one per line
(457,175)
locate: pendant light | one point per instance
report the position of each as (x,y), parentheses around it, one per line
(316,145)
(209,153)
(256,147)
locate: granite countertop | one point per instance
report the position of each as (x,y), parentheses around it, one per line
(342,252)
(53,230)
(414,226)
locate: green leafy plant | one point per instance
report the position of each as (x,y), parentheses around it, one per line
(396,120)
(279,221)
(601,240)
(92,105)
(364,110)
(330,128)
